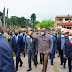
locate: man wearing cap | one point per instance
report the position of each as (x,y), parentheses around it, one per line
(45,45)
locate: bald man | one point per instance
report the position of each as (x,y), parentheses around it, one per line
(45,45)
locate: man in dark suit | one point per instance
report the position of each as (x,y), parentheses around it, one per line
(24,40)
(17,47)
(6,56)
(67,51)
(31,50)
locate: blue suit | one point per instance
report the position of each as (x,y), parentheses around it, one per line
(23,45)
(17,47)
(6,56)
(53,50)
(68,52)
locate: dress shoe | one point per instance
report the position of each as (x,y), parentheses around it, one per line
(35,65)
(64,67)
(16,70)
(51,63)
(21,64)
(42,70)
(61,64)
(29,69)
(40,62)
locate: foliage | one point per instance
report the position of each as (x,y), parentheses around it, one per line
(1,16)
(20,21)
(46,24)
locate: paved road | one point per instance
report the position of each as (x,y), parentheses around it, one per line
(55,68)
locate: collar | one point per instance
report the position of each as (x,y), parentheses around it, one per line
(43,36)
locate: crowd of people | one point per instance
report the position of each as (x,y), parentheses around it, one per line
(30,43)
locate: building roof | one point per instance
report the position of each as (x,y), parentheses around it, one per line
(68,24)
(64,16)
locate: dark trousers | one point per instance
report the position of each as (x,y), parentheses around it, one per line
(40,58)
(45,61)
(31,56)
(18,59)
(69,64)
(36,58)
(61,56)
(63,60)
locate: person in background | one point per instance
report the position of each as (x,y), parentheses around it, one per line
(60,44)
(39,33)
(17,47)
(31,50)
(10,38)
(53,50)
(45,45)
(67,51)
(13,33)
(24,40)
(36,42)
(6,56)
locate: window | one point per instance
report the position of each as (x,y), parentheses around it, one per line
(64,27)
(59,19)
(68,27)
(67,19)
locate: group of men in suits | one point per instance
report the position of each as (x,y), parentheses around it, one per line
(32,44)
(64,46)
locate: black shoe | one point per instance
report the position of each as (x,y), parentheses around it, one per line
(35,65)
(51,63)
(64,67)
(37,62)
(40,62)
(29,69)
(58,56)
(17,69)
(61,64)
(21,64)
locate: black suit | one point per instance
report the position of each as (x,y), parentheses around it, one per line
(17,47)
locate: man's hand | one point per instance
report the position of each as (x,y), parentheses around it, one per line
(22,52)
(25,53)
(35,53)
(50,52)
(64,56)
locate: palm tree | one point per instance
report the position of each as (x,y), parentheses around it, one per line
(33,19)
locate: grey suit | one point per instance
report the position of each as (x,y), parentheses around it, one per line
(31,49)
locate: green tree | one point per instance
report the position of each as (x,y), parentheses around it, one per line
(46,24)
(1,16)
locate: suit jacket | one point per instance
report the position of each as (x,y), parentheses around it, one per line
(23,44)
(58,43)
(31,46)
(67,48)
(17,46)
(6,56)
(54,41)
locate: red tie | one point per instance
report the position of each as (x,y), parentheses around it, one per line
(71,42)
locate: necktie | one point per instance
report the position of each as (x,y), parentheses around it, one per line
(16,39)
(24,39)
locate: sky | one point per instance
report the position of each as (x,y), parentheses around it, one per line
(44,9)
